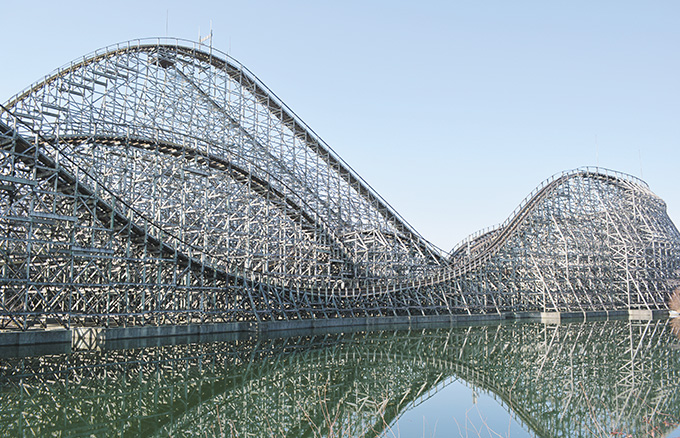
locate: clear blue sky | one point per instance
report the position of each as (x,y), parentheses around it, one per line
(452,110)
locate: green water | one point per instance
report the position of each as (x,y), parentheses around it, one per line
(596,379)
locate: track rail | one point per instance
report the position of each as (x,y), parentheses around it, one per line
(266,97)
(106,212)
(223,181)
(489,241)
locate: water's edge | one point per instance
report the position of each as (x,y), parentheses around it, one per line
(59,340)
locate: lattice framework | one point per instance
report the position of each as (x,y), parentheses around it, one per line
(159,183)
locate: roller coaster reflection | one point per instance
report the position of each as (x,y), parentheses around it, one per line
(156,182)
(576,380)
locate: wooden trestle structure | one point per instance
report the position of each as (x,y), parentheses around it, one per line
(160,182)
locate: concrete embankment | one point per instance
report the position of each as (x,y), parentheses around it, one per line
(60,340)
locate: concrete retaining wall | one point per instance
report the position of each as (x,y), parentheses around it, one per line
(33,337)
(88,338)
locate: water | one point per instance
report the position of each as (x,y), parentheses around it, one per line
(596,379)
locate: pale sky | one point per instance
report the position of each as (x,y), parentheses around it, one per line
(452,110)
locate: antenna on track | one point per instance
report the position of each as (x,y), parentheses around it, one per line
(167,20)
(642,175)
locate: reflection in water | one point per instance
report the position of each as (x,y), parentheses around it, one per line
(570,380)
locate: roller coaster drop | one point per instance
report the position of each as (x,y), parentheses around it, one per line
(156,182)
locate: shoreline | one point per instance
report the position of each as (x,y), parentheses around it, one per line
(63,341)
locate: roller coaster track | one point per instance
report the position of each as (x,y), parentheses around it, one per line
(105,212)
(242,75)
(487,243)
(171,172)
(290,207)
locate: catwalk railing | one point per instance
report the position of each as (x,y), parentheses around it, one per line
(161,183)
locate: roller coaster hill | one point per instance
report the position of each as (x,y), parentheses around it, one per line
(159,182)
